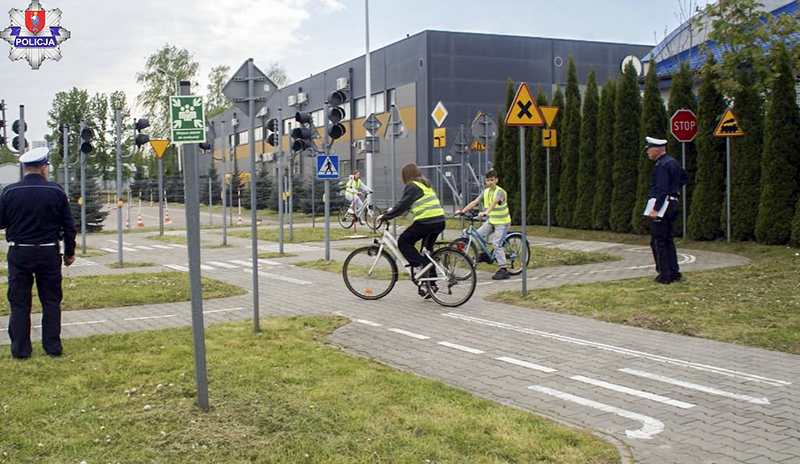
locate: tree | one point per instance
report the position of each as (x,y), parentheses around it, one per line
(537,200)
(654,124)
(555,164)
(627,147)
(70,107)
(216,186)
(159,82)
(795,239)
(139,185)
(277,74)
(506,161)
(601,205)
(587,166)
(216,101)
(94,214)
(681,96)
(708,195)
(781,159)
(571,139)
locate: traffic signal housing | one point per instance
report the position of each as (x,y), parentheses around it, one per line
(140,125)
(17,129)
(336,114)
(272,128)
(87,134)
(302,135)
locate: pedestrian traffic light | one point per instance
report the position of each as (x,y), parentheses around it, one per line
(18,127)
(140,138)
(302,135)
(272,128)
(336,114)
(87,134)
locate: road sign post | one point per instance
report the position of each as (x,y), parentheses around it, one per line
(327,169)
(549,140)
(160,146)
(439,114)
(395,129)
(728,127)
(683,126)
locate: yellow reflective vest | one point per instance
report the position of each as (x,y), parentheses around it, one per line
(428,205)
(352,187)
(499,215)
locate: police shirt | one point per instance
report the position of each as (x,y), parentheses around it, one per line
(36,211)
(668,178)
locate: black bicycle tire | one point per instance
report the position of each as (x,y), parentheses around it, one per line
(392,264)
(343,212)
(517,234)
(472,287)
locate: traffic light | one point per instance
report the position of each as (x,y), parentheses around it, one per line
(272,128)
(17,129)
(140,138)
(205,146)
(87,134)
(2,123)
(336,114)
(302,135)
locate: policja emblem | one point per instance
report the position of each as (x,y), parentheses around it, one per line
(30,39)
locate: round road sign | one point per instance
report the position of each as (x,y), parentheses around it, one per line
(683,125)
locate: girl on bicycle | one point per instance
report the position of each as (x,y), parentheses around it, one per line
(353,190)
(421,199)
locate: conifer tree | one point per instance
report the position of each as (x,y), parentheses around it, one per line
(216,185)
(627,150)
(94,214)
(795,239)
(708,195)
(571,139)
(587,166)
(681,96)
(601,205)
(555,162)
(654,124)
(506,161)
(781,159)
(537,173)
(139,185)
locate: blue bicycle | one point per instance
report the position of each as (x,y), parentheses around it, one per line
(477,248)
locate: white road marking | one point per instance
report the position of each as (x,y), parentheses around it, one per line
(694,386)
(631,391)
(146,248)
(269,263)
(533,366)
(461,348)
(222,310)
(687,259)
(176,267)
(279,277)
(649,428)
(161,247)
(110,250)
(73,323)
(177,245)
(222,265)
(620,350)
(150,317)
(370,323)
(410,334)
(207,268)
(240,262)
(124,243)
(129,249)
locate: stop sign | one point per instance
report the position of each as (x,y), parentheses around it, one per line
(683,125)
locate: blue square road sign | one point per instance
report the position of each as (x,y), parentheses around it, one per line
(327,166)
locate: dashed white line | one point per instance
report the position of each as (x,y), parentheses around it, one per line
(240,262)
(222,310)
(410,334)
(370,323)
(650,426)
(150,317)
(161,247)
(269,263)
(177,267)
(279,277)
(694,386)
(222,265)
(526,364)
(207,268)
(110,250)
(177,245)
(631,391)
(146,248)
(73,323)
(461,348)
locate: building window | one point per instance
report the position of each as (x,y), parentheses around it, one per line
(391,98)
(378,103)
(318,118)
(231,140)
(259,133)
(361,107)
(243,138)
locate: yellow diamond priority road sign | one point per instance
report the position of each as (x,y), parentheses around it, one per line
(523,111)
(439,114)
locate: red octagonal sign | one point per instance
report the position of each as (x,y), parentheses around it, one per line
(683,125)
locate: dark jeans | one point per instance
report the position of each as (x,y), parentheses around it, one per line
(416,232)
(23,264)
(662,231)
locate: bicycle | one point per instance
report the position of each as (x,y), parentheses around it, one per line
(477,248)
(370,272)
(366,214)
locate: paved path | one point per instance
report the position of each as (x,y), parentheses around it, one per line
(669,398)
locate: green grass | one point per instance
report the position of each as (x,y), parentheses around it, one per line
(89,254)
(129,265)
(304,234)
(179,239)
(112,291)
(542,257)
(216,247)
(280,396)
(353,270)
(276,255)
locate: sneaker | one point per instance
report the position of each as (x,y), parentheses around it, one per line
(501,274)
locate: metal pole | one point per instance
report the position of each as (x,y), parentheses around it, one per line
(683,190)
(251,106)
(524,208)
(313,194)
(370,166)
(118,117)
(548,189)
(66,161)
(210,200)
(327,220)
(224,179)
(83,196)
(290,200)
(280,181)
(728,187)
(22,145)
(486,142)
(394,169)
(160,196)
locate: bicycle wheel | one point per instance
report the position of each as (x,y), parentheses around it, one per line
(458,284)
(369,275)
(371,213)
(512,245)
(471,250)
(346,218)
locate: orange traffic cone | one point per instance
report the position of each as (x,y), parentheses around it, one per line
(167,220)
(127,223)
(139,222)
(239,221)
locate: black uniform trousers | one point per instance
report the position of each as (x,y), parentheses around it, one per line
(45,264)
(414,233)
(662,233)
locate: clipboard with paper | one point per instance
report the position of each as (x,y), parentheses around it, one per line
(651,203)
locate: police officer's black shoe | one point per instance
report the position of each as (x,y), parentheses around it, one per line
(55,354)
(663,280)
(678,277)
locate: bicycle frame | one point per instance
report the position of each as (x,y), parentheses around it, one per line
(472,233)
(389,242)
(367,202)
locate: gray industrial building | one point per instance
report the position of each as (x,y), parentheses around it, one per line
(467,72)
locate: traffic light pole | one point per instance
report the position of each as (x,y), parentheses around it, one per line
(160,196)
(280,181)
(83,196)
(523,209)
(251,106)
(224,179)
(65,139)
(548,189)
(118,118)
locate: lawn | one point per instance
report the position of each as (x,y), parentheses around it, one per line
(112,291)
(280,396)
(128,264)
(276,255)
(757,304)
(304,234)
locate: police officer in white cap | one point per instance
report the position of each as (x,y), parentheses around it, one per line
(668,178)
(36,215)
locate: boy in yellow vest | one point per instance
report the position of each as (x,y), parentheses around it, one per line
(495,206)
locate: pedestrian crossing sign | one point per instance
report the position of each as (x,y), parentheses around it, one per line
(327,166)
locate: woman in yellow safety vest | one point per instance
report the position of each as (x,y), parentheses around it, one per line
(421,199)
(353,190)
(495,206)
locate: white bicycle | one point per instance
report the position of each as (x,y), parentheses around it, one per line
(448,276)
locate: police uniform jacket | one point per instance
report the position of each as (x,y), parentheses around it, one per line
(668,178)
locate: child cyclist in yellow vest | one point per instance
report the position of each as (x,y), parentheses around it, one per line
(421,199)
(495,206)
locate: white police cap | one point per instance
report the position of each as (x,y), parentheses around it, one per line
(35,157)
(651,142)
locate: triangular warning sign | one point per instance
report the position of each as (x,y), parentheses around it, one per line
(549,113)
(728,126)
(477,146)
(523,111)
(159,146)
(328,168)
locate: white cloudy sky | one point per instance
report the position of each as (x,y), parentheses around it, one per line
(112,39)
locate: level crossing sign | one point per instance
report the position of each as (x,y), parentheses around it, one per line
(327,166)
(187,119)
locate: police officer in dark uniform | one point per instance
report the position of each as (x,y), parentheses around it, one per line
(36,214)
(668,178)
